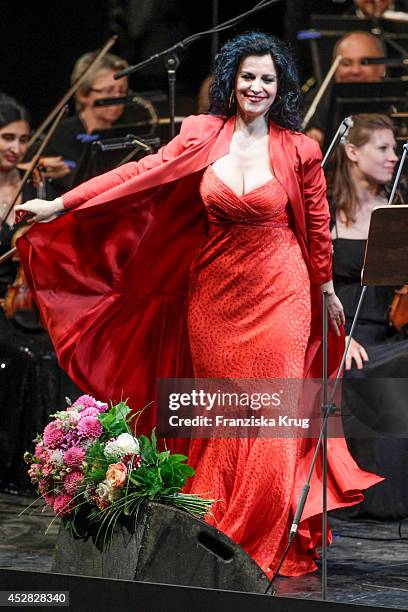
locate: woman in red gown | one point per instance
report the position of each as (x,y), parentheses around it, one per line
(134,285)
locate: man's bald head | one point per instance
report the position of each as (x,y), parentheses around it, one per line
(353,47)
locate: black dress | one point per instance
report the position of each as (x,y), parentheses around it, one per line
(32,385)
(375,399)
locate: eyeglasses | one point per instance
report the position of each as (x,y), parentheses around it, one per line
(110,91)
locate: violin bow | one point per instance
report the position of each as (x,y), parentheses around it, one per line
(72,90)
(63,111)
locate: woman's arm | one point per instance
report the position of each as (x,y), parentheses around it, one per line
(95,186)
(44,210)
(318,229)
(317,216)
(194,130)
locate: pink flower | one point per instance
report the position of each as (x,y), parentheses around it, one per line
(102,406)
(72,481)
(53,435)
(33,471)
(74,456)
(87,401)
(116,475)
(47,469)
(49,499)
(39,449)
(89,412)
(89,427)
(73,418)
(42,487)
(63,504)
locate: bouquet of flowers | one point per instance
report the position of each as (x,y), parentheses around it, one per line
(94,472)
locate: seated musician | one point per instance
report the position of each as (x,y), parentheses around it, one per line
(359,179)
(386,9)
(353,47)
(69,138)
(31,383)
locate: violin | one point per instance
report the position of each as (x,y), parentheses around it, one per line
(19,304)
(398,315)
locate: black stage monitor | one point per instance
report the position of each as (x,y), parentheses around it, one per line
(388,96)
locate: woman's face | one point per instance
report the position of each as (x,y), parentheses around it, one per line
(375,161)
(13,144)
(105,86)
(256,85)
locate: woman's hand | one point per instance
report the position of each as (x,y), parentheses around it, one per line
(40,211)
(51,167)
(357,352)
(334,307)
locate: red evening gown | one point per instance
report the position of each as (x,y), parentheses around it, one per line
(111,279)
(249,317)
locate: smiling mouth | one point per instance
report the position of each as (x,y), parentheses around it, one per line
(256,98)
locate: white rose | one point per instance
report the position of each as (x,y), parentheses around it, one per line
(106,492)
(125,444)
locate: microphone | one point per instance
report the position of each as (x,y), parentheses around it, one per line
(113,101)
(149,96)
(387,61)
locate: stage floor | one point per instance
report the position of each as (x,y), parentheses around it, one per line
(367,562)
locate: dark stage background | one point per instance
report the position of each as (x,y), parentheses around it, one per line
(42,40)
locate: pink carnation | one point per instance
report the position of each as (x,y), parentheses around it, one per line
(39,449)
(63,504)
(102,407)
(33,471)
(47,469)
(53,435)
(89,412)
(87,401)
(74,456)
(72,481)
(89,427)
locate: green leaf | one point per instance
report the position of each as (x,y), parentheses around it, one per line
(186,470)
(177,458)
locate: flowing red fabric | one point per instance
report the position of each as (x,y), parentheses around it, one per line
(111,280)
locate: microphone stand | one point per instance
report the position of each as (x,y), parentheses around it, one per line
(172,61)
(327,408)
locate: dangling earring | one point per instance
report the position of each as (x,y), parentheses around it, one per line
(231,100)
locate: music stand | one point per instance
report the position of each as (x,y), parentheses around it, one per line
(102,155)
(351,98)
(386,256)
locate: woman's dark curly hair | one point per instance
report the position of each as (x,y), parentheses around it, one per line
(11,110)
(285,111)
